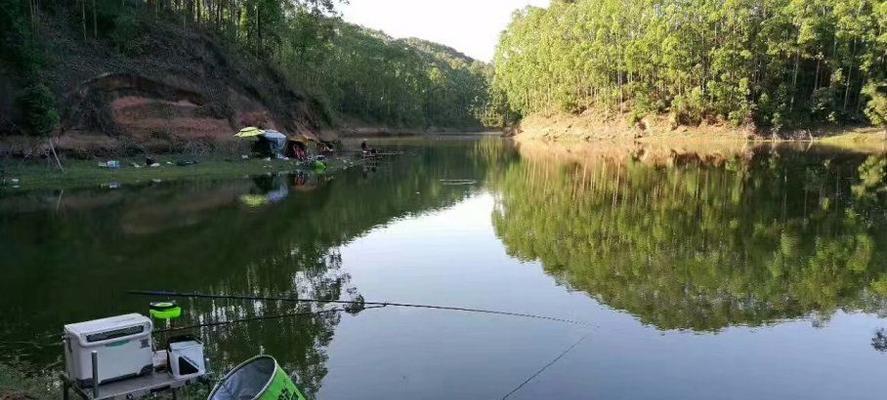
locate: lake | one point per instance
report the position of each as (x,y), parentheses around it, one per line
(734,272)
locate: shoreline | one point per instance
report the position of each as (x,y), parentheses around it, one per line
(591,128)
(99,146)
(26,176)
(849,141)
(666,154)
(19,174)
(351,132)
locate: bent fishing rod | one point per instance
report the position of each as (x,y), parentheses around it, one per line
(195,295)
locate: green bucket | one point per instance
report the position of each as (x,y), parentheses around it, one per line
(259,378)
(165,310)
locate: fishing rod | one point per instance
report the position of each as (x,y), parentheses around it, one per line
(195,295)
(252,319)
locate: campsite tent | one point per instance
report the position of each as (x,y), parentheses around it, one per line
(270,142)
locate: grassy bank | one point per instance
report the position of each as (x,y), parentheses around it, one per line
(864,141)
(18,175)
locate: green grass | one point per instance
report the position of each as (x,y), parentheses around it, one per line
(35,175)
(872,141)
(17,384)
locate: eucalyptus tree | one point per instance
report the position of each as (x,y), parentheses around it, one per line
(771,62)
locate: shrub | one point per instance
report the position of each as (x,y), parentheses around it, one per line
(689,109)
(876,108)
(36,105)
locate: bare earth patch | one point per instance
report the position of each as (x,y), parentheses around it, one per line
(596,127)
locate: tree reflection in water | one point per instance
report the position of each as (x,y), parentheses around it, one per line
(879,342)
(701,242)
(73,258)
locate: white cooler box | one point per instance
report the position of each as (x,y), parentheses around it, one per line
(123,344)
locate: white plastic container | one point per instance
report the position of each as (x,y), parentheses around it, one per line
(122,343)
(186,359)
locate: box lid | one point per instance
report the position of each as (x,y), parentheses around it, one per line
(176,346)
(103,324)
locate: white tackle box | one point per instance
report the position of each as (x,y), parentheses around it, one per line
(122,344)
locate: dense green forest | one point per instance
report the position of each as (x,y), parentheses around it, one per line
(367,74)
(703,246)
(772,63)
(359,75)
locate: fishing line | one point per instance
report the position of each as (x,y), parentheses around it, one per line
(550,363)
(154,293)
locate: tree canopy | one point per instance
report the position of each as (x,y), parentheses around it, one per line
(771,62)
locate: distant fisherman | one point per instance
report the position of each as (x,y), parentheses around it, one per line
(367,150)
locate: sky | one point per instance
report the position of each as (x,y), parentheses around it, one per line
(470,26)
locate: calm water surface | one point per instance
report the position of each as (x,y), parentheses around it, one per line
(750,274)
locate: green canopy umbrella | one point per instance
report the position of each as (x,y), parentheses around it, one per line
(251,131)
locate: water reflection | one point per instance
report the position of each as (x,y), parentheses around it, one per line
(702,242)
(693,238)
(879,342)
(71,256)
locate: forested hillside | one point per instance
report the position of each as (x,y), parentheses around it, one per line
(766,63)
(366,74)
(283,55)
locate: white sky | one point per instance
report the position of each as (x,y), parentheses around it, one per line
(470,26)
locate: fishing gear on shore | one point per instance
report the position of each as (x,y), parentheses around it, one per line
(354,305)
(165,310)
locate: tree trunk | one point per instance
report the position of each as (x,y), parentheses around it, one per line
(860,96)
(235,17)
(31,11)
(95,21)
(791,106)
(816,76)
(258,30)
(55,155)
(83,19)
(621,92)
(849,74)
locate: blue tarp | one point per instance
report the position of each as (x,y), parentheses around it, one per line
(276,141)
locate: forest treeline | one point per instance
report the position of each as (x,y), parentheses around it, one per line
(771,63)
(360,75)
